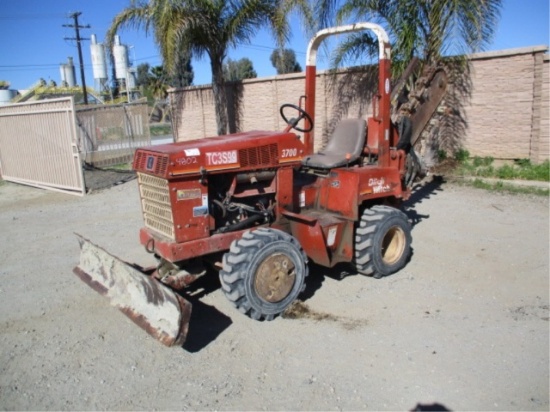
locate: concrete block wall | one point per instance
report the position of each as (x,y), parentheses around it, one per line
(542,152)
(506,112)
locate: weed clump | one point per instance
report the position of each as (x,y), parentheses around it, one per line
(520,169)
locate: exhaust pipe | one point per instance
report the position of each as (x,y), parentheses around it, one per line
(158,310)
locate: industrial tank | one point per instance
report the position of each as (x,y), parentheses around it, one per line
(68,73)
(120,54)
(99,62)
(6,95)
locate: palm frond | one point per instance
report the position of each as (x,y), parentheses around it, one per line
(198,27)
(355,47)
(301,8)
(429,29)
(135,16)
(244,18)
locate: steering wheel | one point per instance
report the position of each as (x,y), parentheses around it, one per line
(293,123)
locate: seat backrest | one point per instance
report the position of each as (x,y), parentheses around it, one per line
(348,138)
(345,146)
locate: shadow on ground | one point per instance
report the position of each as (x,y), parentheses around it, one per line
(420,192)
(98,179)
(207,322)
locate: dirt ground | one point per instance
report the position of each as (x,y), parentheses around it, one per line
(464,325)
(97,179)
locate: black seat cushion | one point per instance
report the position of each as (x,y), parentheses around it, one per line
(344,146)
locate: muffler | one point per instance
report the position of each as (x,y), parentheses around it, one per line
(160,311)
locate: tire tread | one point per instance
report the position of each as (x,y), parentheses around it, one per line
(369,224)
(235,266)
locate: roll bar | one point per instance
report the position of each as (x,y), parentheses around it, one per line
(384,62)
(314,43)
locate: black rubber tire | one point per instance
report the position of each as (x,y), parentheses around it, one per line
(255,250)
(382,241)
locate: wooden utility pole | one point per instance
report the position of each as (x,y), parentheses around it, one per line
(78,41)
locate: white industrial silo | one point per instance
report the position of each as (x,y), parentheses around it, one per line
(120,54)
(99,64)
(67,71)
(6,95)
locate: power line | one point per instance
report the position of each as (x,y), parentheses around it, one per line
(78,43)
(39,16)
(266,48)
(39,70)
(38,66)
(15,66)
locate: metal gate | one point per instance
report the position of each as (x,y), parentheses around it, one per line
(38,145)
(110,134)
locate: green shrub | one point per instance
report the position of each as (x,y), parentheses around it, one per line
(523,162)
(477,161)
(536,172)
(462,155)
(506,172)
(502,187)
(488,160)
(482,161)
(488,171)
(483,167)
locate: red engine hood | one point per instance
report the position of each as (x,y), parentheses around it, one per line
(243,151)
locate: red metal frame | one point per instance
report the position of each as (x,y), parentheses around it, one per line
(384,82)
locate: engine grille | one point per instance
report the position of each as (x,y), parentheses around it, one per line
(155,202)
(160,163)
(258,156)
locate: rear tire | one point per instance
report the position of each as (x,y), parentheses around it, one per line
(382,241)
(263,273)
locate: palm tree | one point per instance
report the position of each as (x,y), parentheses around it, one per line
(428,29)
(207,27)
(158,83)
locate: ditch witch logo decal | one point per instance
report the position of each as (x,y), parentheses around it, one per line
(379,185)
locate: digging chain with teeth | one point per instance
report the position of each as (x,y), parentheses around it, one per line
(419,101)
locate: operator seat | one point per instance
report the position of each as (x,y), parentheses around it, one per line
(345,146)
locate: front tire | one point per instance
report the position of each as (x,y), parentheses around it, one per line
(382,241)
(263,273)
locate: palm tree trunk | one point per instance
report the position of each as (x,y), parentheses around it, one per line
(220,97)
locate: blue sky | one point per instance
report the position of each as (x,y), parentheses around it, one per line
(32,38)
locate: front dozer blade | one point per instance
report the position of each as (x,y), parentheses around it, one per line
(154,307)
